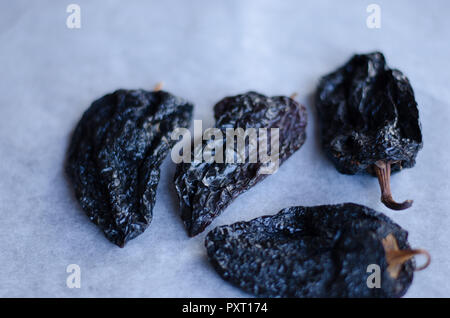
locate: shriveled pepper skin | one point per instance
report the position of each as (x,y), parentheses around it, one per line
(320,251)
(206,189)
(114,157)
(368,113)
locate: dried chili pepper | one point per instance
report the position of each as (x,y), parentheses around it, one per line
(206,189)
(369,120)
(114,157)
(321,251)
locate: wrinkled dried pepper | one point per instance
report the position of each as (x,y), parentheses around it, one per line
(369,120)
(321,251)
(114,157)
(206,189)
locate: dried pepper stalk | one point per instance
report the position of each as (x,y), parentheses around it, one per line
(206,189)
(369,121)
(114,157)
(321,251)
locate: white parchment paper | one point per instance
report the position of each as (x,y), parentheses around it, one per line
(202,51)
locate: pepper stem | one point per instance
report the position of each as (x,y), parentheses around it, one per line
(383,171)
(396,257)
(158,86)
